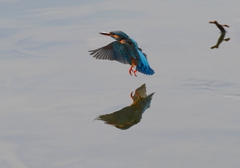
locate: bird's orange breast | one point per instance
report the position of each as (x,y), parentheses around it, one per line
(134,63)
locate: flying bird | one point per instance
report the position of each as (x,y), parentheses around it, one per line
(219,26)
(129,115)
(124,50)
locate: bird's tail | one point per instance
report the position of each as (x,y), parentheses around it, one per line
(144,69)
(143,65)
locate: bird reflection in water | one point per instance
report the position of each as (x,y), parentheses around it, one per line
(130,115)
(223,33)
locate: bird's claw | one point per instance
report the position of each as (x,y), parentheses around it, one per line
(135,93)
(138,94)
(135,72)
(131,95)
(131,70)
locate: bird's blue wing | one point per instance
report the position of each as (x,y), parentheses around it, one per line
(113,51)
(122,50)
(141,58)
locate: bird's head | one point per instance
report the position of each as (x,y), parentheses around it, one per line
(117,35)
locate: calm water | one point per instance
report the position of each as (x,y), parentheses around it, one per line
(52,89)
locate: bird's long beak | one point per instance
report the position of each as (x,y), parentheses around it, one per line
(104,33)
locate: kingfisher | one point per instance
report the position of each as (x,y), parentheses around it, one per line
(220,26)
(124,50)
(130,115)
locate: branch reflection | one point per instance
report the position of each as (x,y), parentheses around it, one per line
(130,115)
(223,33)
(221,38)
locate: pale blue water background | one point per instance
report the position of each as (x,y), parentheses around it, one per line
(52,89)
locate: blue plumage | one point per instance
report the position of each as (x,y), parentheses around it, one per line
(141,59)
(124,50)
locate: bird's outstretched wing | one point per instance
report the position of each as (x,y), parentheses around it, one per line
(113,51)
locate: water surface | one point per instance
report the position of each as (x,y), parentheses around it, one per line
(52,89)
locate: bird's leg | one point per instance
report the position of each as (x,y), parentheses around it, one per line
(135,71)
(138,94)
(131,95)
(130,70)
(134,63)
